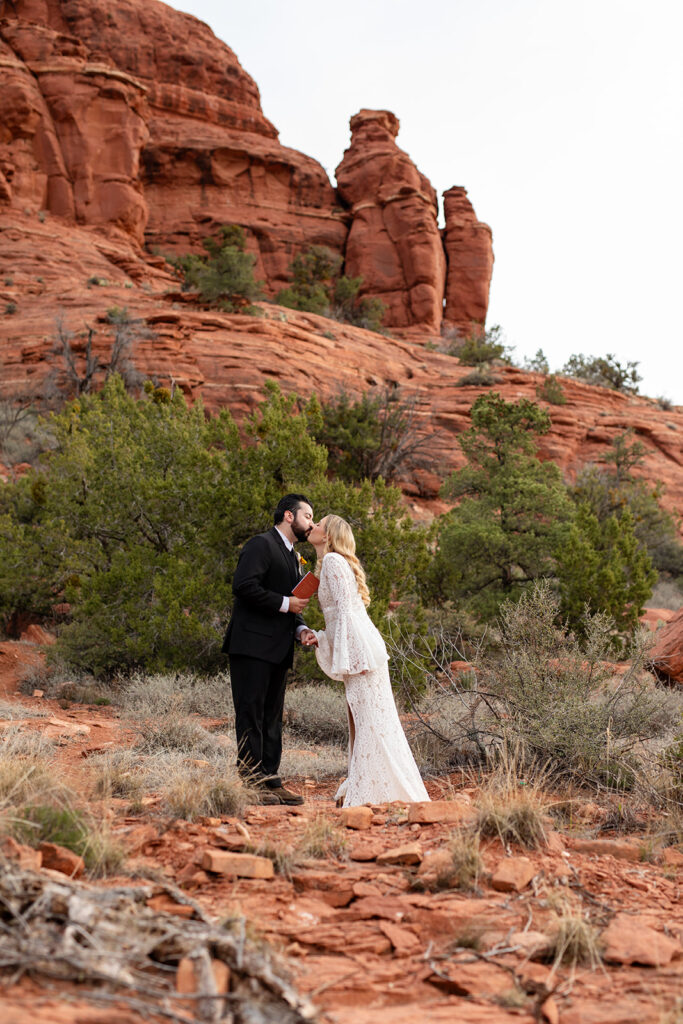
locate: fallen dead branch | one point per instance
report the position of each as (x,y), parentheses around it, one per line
(110,941)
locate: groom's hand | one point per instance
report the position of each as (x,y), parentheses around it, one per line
(308,638)
(297,604)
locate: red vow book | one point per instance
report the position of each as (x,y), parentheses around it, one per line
(307,586)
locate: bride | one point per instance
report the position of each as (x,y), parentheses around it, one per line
(351,649)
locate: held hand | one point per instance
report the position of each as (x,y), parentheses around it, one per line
(308,638)
(297,604)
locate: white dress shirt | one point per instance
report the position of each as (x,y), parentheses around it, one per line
(284,607)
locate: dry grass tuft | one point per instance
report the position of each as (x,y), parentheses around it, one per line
(10,711)
(119,773)
(318,761)
(284,858)
(512,804)
(27,769)
(467,865)
(323,838)
(191,793)
(574,940)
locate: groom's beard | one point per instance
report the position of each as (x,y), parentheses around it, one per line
(301,532)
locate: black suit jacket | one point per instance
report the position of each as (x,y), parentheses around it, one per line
(264,573)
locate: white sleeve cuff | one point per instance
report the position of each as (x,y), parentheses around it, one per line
(284,607)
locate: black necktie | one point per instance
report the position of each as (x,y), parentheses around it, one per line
(295,561)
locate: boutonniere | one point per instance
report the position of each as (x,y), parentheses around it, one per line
(302,560)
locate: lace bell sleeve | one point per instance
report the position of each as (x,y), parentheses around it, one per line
(350,643)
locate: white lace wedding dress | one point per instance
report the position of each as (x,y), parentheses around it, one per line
(351,649)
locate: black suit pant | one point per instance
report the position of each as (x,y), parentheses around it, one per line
(258,693)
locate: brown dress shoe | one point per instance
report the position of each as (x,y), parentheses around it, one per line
(285,796)
(267,796)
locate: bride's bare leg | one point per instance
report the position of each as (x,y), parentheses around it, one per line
(352,730)
(352,737)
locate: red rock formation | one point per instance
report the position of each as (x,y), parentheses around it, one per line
(667,654)
(72,127)
(469,252)
(394,241)
(136,115)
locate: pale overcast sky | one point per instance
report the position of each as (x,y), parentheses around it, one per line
(562,118)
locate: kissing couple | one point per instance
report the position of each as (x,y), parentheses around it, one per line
(265,623)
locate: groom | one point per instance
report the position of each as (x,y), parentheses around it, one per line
(266,619)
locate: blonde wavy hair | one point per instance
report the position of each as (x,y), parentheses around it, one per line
(340,539)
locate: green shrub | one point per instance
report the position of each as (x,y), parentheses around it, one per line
(613,490)
(551,391)
(375,435)
(603,568)
(479,378)
(318,287)
(604,371)
(559,701)
(226,274)
(481,347)
(515,523)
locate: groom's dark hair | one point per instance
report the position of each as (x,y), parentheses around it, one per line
(290,503)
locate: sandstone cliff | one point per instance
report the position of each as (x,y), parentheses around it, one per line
(135,118)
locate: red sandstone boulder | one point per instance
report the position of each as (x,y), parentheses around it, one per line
(630,940)
(394,241)
(58,858)
(667,654)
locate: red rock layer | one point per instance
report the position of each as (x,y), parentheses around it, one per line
(394,241)
(469,251)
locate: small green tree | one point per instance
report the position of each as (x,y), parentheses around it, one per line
(538,363)
(603,568)
(226,274)
(318,287)
(313,273)
(513,511)
(604,371)
(551,391)
(370,437)
(610,489)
